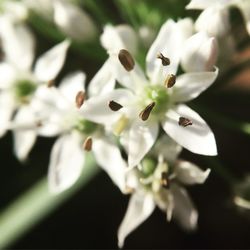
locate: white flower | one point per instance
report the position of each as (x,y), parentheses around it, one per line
(19,83)
(14,10)
(155,102)
(77,136)
(215,17)
(161,184)
(72,20)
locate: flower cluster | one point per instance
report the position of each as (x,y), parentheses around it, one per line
(134,122)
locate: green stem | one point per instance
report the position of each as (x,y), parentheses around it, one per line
(127,11)
(37,203)
(98,9)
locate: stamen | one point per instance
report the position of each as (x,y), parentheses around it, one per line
(87,145)
(184,122)
(50,83)
(144,115)
(126,59)
(115,106)
(80,97)
(165,61)
(170,81)
(164,180)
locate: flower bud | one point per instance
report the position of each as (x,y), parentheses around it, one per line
(214,21)
(73,21)
(199,53)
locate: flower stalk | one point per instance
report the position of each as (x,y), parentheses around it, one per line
(37,203)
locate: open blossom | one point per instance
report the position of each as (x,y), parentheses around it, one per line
(215,17)
(77,136)
(136,111)
(19,83)
(161,183)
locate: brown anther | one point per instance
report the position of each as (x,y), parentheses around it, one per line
(50,83)
(184,122)
(39,124)
(80,97)
(165,61)
(170,81)
(164,180)
(146,112)
(115,106)
(87,145)
(126,59)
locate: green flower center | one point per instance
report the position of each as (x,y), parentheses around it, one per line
(148,167)
(24,89)
(159,95)
(85,127)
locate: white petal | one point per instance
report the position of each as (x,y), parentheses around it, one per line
(51,108)
(169,42)
(50,63)
(203,4)
(115,38)
(73,21)
(184,210)
(168,148)
(188,173)
(244,6)
(190,85)
(142,136)
(108,156)
(165,201)
(198,138)
(66,162)
(16,11)
(7,75)
(103,82)
(218,18)
(18,44)
(72,84)
(24,139)
(186,27)
(199,53)
(134,79)
(7,107)
(140,207)
(96,109)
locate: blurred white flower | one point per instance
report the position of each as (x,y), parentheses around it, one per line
(73,21)
(19,83)
(69,17)
(215,17)
(161,184)
(136,111)
(13,10)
